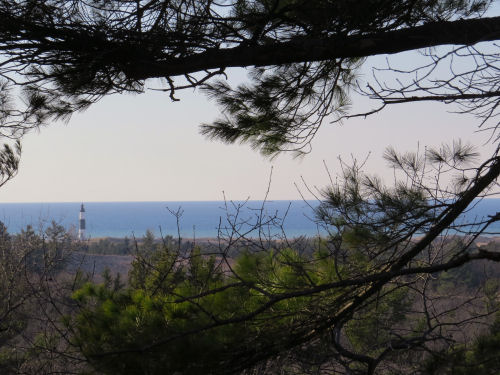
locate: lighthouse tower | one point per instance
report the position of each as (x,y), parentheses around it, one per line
(81,224)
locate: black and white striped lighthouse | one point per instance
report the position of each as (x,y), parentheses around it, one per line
(81,224)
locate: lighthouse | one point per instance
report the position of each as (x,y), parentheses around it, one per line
(81,224)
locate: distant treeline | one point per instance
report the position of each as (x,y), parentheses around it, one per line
(131,246)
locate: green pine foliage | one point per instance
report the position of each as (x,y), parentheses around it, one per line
(482,357)
(192,316)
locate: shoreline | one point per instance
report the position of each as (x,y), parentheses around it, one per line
(480,239)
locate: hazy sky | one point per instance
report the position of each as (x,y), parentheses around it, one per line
(147,148)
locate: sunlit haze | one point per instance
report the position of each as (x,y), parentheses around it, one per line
(148,148)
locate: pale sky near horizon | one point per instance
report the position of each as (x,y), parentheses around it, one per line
(147,148)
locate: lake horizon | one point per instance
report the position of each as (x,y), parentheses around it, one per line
(198,218)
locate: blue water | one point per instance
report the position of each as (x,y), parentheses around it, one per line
(198,219)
